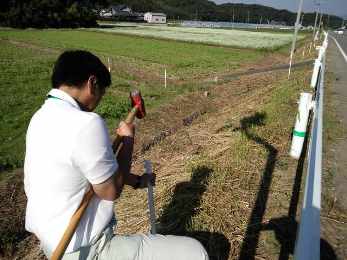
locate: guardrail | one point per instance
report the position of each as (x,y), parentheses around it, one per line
(307,245)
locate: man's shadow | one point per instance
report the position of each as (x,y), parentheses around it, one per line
(285,227)
(176,218)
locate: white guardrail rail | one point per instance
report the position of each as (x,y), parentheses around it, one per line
(307,246)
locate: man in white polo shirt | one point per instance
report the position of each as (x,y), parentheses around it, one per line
(67,150)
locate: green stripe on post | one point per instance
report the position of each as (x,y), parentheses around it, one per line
(299,134)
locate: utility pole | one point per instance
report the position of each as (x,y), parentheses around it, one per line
(320,20)
(247,16)
(261,20)
(295,36)
(315,25)
(302,19)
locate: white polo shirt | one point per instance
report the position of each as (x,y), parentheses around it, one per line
(66,149)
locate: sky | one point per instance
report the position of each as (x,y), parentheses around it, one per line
(336,7)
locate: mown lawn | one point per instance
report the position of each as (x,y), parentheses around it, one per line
(27,57)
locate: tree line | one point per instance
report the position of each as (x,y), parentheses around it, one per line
(83,13)
(48,13)
(204,10)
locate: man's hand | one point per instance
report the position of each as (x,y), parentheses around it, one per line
(125,129)
(145,179)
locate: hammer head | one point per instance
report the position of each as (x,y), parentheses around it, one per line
(137,101)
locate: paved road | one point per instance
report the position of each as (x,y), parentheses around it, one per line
(335,232)
(342,42)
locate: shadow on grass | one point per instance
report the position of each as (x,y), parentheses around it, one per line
(286,227)
(250,242)
(177,215)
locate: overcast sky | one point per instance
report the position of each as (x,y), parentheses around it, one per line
(337,7)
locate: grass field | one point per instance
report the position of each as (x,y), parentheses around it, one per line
(224,178)
(223,37)
(27,57)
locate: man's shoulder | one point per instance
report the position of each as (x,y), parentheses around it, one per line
(93,118)
(65,118)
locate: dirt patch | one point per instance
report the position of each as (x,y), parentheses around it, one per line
(12,211)
(32,46)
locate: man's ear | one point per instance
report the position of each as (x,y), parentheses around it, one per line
(92,84)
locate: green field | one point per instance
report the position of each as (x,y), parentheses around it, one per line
(27,57)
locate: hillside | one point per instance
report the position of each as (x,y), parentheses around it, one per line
(209,11)
(82,13)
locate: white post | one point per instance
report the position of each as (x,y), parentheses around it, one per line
(317,65)
(299,133)
(165,78)
(297,23)
(315,26)
(148,170)
(109,64)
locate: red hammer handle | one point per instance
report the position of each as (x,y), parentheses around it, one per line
(71,228)
(130,118)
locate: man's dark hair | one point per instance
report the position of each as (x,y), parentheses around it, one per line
(73,68)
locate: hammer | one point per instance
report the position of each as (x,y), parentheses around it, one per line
(138,110)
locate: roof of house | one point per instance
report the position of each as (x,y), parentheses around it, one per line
(119,7)
(156,14)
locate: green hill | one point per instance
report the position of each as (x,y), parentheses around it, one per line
(82,13)
(209,11)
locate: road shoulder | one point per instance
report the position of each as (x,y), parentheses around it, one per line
(334,196)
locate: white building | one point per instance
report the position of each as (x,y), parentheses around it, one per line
(155,17)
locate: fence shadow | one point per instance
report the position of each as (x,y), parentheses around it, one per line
(286,227)
(177,215)
(251,239)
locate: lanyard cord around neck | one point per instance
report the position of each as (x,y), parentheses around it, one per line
(50,96)
(78,103)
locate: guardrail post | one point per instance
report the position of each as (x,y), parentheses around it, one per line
(316,68)
(299,133)
(307,246)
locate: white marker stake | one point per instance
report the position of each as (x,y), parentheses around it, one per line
(148,170)
(109,64)
(165,79)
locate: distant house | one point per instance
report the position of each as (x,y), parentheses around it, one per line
(282,23)
(120,10)
(116,12)
(155,17)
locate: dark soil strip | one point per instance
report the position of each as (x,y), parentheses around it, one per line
(162,135)
(262,70)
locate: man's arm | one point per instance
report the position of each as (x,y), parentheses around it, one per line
(112,187)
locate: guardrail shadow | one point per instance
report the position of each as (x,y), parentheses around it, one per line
(177,215)
(285,227)
(250,242)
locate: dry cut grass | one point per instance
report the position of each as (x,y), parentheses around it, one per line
(226,179)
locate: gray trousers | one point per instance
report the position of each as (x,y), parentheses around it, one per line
(140,247)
